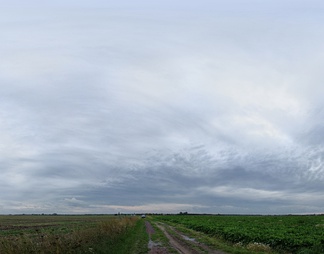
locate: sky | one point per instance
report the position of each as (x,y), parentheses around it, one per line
(210,106)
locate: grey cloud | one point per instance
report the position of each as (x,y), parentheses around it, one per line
(145,108)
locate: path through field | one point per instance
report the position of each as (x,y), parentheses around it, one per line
(177,241)
(155,248)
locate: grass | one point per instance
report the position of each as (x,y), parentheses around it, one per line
(72,234)
(131,241)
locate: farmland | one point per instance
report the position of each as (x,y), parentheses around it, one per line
(283,234)
(127,235)
(71,234)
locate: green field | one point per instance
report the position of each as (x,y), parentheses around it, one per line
(71,234)
(283,234)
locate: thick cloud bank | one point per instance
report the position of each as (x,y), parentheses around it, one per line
(213,107)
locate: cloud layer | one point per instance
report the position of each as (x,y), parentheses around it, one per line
(213,107)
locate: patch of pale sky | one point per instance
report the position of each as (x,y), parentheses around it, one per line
(155,208)
(261,194)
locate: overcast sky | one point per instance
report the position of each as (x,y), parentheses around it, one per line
(162,106)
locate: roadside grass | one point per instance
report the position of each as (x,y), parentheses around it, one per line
(140,239)
(132,241)
(72,234)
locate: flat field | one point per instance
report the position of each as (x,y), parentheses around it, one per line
(120,235)
(70,234)
(283,234)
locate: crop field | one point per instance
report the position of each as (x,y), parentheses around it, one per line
(282,234)
(71,234)
(127,235)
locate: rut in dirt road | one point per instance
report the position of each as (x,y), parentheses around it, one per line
(178,241)
(154,248)
(184,244)
(176,244)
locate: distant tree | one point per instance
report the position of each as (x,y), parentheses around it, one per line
(183,213)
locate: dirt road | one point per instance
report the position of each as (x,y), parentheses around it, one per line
(178,242)
(155,248)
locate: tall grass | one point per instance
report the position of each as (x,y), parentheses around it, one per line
(72,240)
(131,240)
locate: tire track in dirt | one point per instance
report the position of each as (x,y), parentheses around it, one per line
(178,241)
(154,248)
(176,244)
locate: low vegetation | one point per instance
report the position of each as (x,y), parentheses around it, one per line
(264,234)
(72,234)
(127,234)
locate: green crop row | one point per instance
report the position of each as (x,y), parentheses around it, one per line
(290,233)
